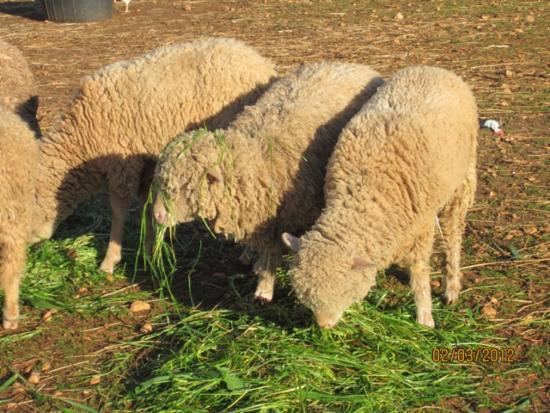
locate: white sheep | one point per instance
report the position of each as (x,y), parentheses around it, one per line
(18,158)
(125,113)
(18,91)
(264,174)
(407,156)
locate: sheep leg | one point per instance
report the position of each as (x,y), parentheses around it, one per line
(113,255)
(453,222)
(12,264)
(420,278)
(266,267)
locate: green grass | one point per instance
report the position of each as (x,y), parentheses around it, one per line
(274,359)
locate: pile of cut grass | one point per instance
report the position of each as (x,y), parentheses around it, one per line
(273,358)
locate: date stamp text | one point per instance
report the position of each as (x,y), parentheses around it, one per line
(474,355)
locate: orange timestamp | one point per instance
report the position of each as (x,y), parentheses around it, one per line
(474,355)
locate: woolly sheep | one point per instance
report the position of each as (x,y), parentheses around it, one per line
(125,113)
(17,87)
(18,157)
(264,174)
(407,156)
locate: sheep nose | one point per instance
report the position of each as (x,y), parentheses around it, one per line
(325,322)
(159,212)
(160,216)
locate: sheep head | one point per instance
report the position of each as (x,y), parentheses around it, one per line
(189,178)
(328,276)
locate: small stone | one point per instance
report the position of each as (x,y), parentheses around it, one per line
(96,379)
(46,365)
(34,378)
(399,16)
(508,73)
(86,392)
(81,291)
(530,18)
(72,254)
(489,311)
(435,283)
(47,317)
(139,306)
(530,230)
(146,328)
(492,194)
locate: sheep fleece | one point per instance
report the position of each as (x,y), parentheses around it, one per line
(125,113)
(272,160)
(408,152)
(17,87)
(18,157)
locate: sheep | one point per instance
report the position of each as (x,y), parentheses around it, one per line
(17,86)
(18,158)
(264,174)
(125,113)
(408,156)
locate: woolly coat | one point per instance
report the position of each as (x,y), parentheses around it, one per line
(18,91)
(18,158)
(264,174)
(408,153)
(125,113)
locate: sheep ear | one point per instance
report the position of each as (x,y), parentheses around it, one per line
(361,263)
(214,175)
(292,242)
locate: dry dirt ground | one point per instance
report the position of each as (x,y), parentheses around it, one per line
(499,47)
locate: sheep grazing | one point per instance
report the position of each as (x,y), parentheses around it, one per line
(264,174)
(17,87)
(125,113)
(408,156)
(18,158)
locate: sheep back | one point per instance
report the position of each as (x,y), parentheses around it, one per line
(18,91)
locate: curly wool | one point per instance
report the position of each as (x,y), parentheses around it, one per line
(264,174)
(125,113)
(18,91)
(18,158)
(408,155)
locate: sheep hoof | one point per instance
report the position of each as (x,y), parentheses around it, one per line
(450,297)
(10,324)
(262,300)
(108,266)
(425,319)
(264,297)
